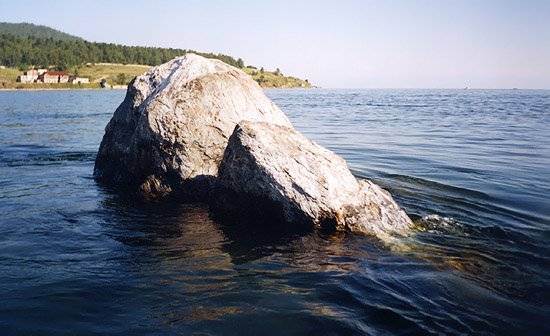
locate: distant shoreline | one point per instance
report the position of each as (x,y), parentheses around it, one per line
(116,75)
(62,89)
(125,88)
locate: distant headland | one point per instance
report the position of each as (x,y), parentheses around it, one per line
(25,48)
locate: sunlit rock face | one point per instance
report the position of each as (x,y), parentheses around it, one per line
(279,171)
(171,130)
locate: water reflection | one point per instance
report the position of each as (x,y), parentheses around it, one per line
(204,261)
(217,271)
(173,231)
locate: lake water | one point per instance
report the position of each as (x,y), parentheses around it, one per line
(471,166)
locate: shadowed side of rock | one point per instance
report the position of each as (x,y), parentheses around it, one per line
(126,151)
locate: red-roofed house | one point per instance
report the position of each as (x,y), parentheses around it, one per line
(54,77)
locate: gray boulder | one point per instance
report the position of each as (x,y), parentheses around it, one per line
(170,132)
(276,170)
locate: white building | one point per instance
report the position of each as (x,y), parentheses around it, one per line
(31,76)
(79,80)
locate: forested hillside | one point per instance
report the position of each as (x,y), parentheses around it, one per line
(29,29)
(18,51)
(24,45)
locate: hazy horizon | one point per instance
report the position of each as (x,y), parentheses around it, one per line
(349,44)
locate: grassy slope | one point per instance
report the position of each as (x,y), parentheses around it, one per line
(111,71)
(8,75)
(272,80)
(96,72)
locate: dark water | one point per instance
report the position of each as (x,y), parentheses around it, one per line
(75,259)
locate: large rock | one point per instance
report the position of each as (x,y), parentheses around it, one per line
(276,170)
(172,128)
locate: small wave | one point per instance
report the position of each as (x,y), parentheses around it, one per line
(32,158)
(436,223)
(423,182)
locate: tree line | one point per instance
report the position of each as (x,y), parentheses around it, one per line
(29,29)
(22,52)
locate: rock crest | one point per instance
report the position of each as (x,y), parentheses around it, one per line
(170,131)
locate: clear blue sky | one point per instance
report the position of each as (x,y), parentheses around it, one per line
(487,44)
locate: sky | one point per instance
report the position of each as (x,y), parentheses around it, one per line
(335,44)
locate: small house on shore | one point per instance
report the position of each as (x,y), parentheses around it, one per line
(54,77)
(78,80)
(50,76)
(30,76)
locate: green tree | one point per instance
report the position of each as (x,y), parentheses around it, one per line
(261,80)
(121,79)
(240,63)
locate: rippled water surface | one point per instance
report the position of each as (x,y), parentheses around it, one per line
(472,167)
